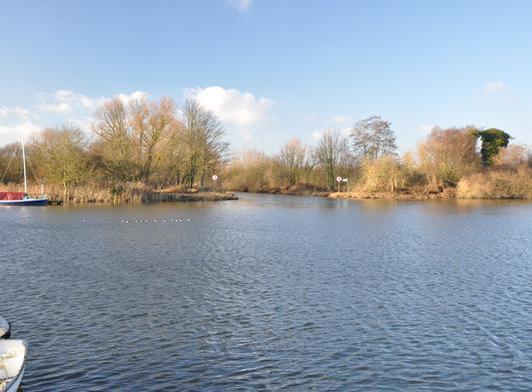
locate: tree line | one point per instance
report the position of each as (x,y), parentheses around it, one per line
(142,141)
(154,143)
(368,158)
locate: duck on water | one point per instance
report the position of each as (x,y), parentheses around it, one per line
(22,198)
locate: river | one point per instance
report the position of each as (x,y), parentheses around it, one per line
(271,292)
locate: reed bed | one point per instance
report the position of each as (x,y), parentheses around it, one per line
(497,184)
(128,193)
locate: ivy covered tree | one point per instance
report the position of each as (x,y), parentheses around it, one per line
(493,140)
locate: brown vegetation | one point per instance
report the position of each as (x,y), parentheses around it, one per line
(149,151)
(127,193)
(447,155)
(497,184)
(448,165)
(137,147)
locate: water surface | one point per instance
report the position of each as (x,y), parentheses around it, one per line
(271,292)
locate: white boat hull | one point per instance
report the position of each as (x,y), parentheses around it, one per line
(12,364)
(5,329)
(15,384)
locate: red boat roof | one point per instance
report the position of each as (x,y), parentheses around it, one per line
(12,195)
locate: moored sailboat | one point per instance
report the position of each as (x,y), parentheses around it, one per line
(22,198)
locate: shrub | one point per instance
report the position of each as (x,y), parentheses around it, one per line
(497,184)
(384,174)
(252,171)
(447,155)
(511,157)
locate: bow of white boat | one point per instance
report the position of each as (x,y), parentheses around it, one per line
(12,362)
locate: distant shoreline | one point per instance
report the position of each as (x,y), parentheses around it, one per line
(133,195)
(126,194)
(445,194)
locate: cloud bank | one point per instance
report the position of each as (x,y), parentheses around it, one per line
(494,87)
(240,109)
(67,101)
(240,5)
(52,109)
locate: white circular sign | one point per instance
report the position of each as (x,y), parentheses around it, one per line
(338,179)
(214,177)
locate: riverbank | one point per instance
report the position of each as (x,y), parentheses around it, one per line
(486,185)
(449,195)
(166,196)
(134,194)
(360,195)
(415,193)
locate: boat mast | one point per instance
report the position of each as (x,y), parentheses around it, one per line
(24,165)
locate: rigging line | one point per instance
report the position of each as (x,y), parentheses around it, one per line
(8,166)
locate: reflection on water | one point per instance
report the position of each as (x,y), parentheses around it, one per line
(272,292)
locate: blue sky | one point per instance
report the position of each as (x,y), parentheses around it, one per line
(272,69)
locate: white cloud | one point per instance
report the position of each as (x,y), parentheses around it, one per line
(494,87)
(52,109)
(339,119)
(241,109)
(128,98)
(317,135)
(345,132)
(426,128)
(230,105)
(240,5)
(17,111)
(14,132)
(16,121)
(309,117)
(64,101)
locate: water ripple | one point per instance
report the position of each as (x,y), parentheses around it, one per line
(272,293)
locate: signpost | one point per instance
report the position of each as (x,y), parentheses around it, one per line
(346,184)
(214,183)
(338,180)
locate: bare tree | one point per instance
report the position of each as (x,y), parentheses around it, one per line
(59,157)
(113,145)
(151,122)
(373,138)
(449,154)
(297,159)
(129,137)
(172,165)
(330,153)
(204,142)
(11,163)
